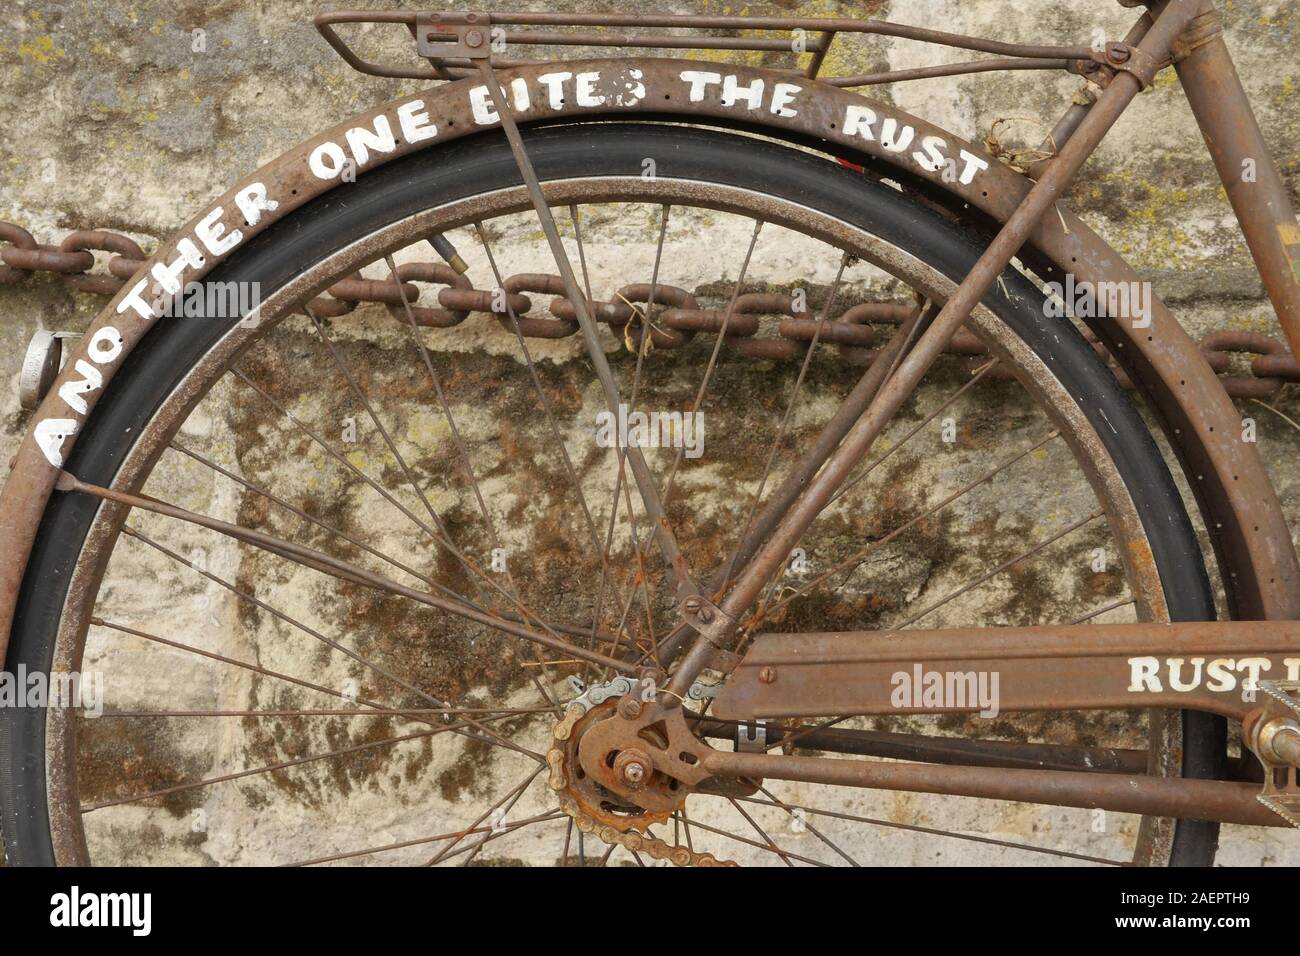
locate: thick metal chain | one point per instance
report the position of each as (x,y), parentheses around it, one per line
(854,332)
(558,781)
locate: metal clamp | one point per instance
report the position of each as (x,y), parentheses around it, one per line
(751,738)
(447,36)
(708,619)
(1126,58)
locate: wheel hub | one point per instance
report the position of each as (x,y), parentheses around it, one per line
(625,779)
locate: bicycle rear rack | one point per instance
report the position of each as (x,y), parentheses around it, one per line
(450,42)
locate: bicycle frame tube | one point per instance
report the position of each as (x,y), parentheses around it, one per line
(1245,166)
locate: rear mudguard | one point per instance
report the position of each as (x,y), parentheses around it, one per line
(1237,501)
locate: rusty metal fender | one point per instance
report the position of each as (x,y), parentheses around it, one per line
(1238,503)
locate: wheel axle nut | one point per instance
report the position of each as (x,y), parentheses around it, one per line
(633,768)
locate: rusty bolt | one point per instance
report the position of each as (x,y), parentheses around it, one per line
(692,604)
(1091,66)
(767,675)
(1118,52)
(474,38)
(633,768)
(629,708)
(706,615)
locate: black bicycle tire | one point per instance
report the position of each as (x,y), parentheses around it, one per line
(483,163)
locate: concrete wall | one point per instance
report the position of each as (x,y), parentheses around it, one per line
(130,116)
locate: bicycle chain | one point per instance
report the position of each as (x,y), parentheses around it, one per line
(631,840)
(852,332)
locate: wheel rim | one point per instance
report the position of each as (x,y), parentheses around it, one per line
(62,731)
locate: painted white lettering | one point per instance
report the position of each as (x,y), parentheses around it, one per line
(49,434)
(1253,666)
(252,201)
(168,276)
(894,139)
(554,83)
(72,390)
(1142,674)
(858,121)
(783,95)
(414,121)
(931,154)
(327,160)
(733,91)
(209,231)
(973,165)
(480,105)
(587,96)
(1176,682)
(699,80)
(361,140)
(1219,676)
(105,345)
(134,300)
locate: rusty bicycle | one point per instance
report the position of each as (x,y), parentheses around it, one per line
(587,479)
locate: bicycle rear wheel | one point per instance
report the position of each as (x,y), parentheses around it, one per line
(477,471)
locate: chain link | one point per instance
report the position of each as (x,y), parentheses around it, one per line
(856,333)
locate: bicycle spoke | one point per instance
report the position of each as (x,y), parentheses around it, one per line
(509,828)
(853,562)
(475,572)
(279,765)
(931,831)
(771,845)
(554,428)
(356,542)
(1123,602)
(310,631)
(707,378)
(811,829)
(509,805)
(779,438)
(698,824)
(517,789)
(378,708)
(1069,529)
(640,575)
(513,593)
(935,413)
(422,841)
(335,567)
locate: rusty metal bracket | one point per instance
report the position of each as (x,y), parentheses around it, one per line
(1132,59)
(443,36)
(710,621)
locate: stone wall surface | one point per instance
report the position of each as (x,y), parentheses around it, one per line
(129,116)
